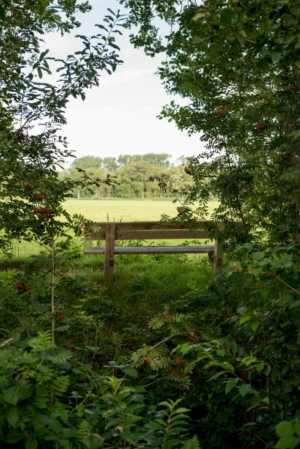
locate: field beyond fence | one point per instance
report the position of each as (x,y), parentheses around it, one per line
(111,210)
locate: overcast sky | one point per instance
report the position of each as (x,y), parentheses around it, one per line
(120,116)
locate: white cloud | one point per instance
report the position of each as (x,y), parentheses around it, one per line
(119,117)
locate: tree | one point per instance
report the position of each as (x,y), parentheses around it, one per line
(138,176)
(161,159)
(30,187)
(237,65)
(109,164)
(87,162)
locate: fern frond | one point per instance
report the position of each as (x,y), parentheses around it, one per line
(83,430)
(60,385)
(156,323)
(42,342)
(158,363)
(61,357)
(43,374)
(116,340)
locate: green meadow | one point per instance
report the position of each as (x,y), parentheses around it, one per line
(109,209)
(124,210)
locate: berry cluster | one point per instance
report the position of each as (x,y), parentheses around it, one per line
(261,127)
(44,213)
(21,287)
(22,138)
(29,186)
(222,110)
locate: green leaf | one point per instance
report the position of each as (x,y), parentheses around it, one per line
(31,443)
(258,255)
(245,318)
(248,360)
(260,366)
(297,428)
(276,56)
(55,426)
(285,428)
(10,396)
(191,444)
(68,433)
(15,334)
(215,376)
(12,438)
(13,416)
(255,325)
(231,384)
(287,443)
(296,304)
(227,366)
(244,389)
(180,410)
(131,372)
(43,6)
(171,443)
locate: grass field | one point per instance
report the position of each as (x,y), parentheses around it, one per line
(124,210)
(111,210)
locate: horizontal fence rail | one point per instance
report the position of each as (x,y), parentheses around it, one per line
(153,230)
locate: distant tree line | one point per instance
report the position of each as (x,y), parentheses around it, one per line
(132,175)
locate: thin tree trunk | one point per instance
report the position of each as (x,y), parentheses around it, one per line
(52,292)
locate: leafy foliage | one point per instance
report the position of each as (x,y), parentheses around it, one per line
(236,66)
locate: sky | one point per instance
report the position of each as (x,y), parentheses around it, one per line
(120,116)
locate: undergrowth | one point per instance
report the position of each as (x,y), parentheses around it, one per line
(162,356)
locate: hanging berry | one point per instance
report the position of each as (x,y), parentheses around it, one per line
(39,197)
(261,127)
(187,170)
(222,110)
(177,374)
(22,288)
(44,214)
(178,360)
(29,186)
(22,138)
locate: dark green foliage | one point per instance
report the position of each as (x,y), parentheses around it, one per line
(31,193)
(53,397)
(227,347)
(236,64)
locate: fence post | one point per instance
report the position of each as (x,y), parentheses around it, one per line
(109,249)
(217,261)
